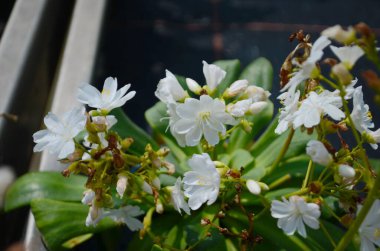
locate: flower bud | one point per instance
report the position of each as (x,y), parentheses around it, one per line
(147,188)
(239,108)
(169,166)
(247,125)
(340,35)
(236,88)
(257,93)
(88,197)
(126,143)
(253,187)
(121,185)
(156,183)
(342,73)
(193,86)
(257,107)
(159,207)
(346,171)
(318,153)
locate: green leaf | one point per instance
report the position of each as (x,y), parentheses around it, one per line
(266,138)
(270,153)
(51,185)
(61,221)
(156,247)
(240,158)
(232,67)
(125,127)
(240,139)
(260,73)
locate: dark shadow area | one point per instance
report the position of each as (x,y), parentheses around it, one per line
(143,38)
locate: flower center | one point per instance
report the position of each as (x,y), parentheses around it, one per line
(204,115)
(376,234)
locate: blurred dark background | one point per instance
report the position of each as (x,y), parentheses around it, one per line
(142,38)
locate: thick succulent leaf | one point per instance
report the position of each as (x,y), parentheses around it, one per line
(125,127)
(232,67)
(61,221)
(50,185)
(259,72)
(270,153)
(240,158)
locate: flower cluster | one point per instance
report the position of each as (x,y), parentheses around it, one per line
(207,115)
(206,160)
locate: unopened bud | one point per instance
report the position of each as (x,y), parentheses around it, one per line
(253,187)
(163,151)
(169,166)
(346,171)
(159,207)
(147,188)
(257,93)
(205,222)
(88,197)
(257,107)
(126,143)
(193,86)
(246,125)
(156,183)
(236,88)
(121,185)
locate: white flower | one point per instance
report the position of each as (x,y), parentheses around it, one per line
(346,171)
(121,185)
(316,105)
(287,112)
(7,176)
(369,230)
(292,214)
(256,93)
(307,68)
(127,216)
(58,138)
(236,88)
(348,55)
(177,197)
(318,153)
(88,197)
(340,35)
(169,89)
(361,117)
(239,108)
(202,183)
(173,118)
(205,116)
(108,99)
(213,75)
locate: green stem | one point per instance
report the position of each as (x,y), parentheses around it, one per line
(283,151)
(298,192)
(280,181)
(372,196)
(309,173)
(327,234)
